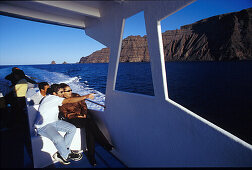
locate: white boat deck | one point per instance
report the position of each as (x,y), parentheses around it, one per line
(104,159)
(12,157)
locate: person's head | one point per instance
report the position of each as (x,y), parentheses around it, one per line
(15,68)
(67,90)
(43,86)
(18,74)
(56,90)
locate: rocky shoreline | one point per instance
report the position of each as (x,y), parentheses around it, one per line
(223,37)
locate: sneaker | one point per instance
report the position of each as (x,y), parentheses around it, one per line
(59,158)
(76,151)
(75,156)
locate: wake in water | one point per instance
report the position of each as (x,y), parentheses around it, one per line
(41,75)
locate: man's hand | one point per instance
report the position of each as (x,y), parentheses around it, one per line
(82,116)
(90,96)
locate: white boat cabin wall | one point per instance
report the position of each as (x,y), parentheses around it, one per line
(147,131)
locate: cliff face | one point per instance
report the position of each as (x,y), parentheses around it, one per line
(134,49)
(218,38)
(100,56)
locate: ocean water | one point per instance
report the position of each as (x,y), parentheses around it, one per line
(220,92)
(72,74)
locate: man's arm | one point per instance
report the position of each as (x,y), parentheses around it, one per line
(30,80)
(9,77)
(77,99)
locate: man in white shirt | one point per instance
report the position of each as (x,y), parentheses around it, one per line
(48,124)
(37,97)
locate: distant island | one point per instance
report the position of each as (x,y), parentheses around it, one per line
(53,62)
(219,38)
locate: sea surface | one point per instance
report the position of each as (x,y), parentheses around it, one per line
(220,92)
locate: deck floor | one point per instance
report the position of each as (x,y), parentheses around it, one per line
(14,154)
(104,159)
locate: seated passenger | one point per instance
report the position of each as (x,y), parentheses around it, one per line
(77,114)
(37,97)
(48,124)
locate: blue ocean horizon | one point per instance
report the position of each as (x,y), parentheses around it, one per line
(220,92)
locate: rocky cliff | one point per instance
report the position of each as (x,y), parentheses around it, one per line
(218,38)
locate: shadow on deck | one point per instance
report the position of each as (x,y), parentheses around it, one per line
(104,159)
(14,153)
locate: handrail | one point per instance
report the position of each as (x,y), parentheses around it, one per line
(95,103)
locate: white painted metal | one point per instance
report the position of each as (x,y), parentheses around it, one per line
(73,6)
(153,131)
(40,16)
(65,13)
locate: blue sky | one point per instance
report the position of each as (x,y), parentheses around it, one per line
(25,42)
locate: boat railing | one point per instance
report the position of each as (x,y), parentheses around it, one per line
(95,103)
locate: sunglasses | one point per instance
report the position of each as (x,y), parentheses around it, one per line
(68,91)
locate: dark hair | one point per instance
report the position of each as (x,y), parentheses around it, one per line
(15,68)
(54,88)
(63,85)
(20,73)
(49,91)
(42,85)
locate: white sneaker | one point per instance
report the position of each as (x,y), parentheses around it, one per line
(75,156)
(59,158)
(77,151)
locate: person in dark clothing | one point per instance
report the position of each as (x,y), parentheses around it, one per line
(16,98)
(11,77)
(78,115)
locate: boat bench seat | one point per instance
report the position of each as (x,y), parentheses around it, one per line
(42,147)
